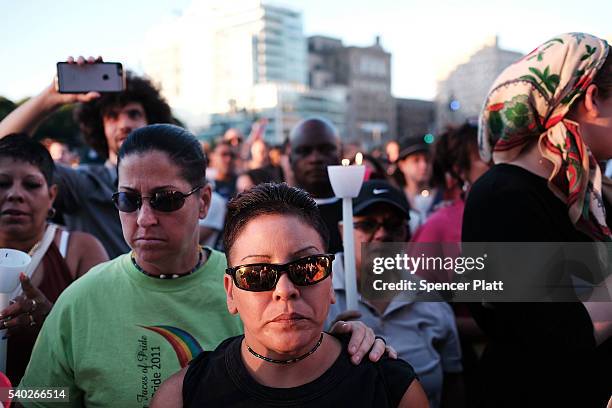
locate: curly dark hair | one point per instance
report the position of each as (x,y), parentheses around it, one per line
(139,89)
(452,154)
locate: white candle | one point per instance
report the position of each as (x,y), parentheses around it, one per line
(346,182)
(12,263)
(350,270)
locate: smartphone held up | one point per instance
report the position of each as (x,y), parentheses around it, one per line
(98,77)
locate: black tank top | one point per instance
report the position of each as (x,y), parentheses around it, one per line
(220,379)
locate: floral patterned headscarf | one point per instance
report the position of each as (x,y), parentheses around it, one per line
(529,101)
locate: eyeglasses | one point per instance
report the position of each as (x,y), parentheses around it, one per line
(262,277)
(165,201)
(395,226)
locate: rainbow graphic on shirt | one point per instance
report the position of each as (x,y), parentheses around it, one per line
(184,344)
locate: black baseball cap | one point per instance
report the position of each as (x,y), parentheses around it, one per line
(411,146)
(380,191)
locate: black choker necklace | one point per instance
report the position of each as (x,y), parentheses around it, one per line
(290,361)
(174,275)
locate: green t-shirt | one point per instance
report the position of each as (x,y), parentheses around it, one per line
(115,334)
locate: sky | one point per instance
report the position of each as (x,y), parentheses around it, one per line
(426,38)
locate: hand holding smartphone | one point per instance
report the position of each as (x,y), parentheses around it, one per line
(97,77)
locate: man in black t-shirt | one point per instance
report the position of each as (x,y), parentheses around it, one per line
(314,146)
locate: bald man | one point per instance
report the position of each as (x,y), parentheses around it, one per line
(314,146)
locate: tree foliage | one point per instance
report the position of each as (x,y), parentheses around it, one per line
(59,126)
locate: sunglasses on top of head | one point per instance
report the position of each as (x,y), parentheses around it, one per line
(165,201)
(261,277)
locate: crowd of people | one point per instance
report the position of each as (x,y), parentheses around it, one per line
(190,274)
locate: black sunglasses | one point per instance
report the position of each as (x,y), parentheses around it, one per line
(261,277)
(165,201)
(392,226)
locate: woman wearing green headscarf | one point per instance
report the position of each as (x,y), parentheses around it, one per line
(546,124)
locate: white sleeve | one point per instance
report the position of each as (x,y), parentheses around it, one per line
(216,213)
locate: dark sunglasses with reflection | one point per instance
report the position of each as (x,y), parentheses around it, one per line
(261,277)
(165,201)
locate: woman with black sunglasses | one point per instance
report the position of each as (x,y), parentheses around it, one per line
(279,283)
(112,338)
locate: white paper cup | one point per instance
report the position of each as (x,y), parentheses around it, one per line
(12,263)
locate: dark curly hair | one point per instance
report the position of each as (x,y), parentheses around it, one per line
(139,89)
(452,154)
(267,199)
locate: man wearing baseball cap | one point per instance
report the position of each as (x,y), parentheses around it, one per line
(423,333)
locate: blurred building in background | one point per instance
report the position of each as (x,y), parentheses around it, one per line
(284,106)
(177,55)
(255,43)
(415,117)
(365,73)
(461,95)
(241,58)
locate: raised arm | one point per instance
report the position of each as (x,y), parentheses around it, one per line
(29,115)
